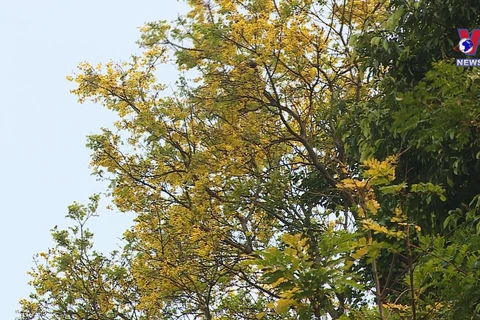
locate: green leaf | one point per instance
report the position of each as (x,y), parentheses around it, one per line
(375,41)
(385,45)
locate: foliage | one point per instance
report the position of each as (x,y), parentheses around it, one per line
(320,164)
(73,281)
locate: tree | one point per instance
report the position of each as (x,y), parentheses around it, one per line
(256,184)
(426,110)
(72,281)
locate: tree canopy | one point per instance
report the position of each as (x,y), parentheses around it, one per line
(315,160)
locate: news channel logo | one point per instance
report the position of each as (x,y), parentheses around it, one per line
(468,45)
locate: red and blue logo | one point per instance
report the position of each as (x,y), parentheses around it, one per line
(468,41)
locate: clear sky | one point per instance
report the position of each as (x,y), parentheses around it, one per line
(43,158)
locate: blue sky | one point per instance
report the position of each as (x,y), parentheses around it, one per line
(44,161)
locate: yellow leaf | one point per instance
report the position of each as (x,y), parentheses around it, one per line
(348,264)
(290,239)
(279,281)
(360,253)
(373,206)
(284,304)
(361,213)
